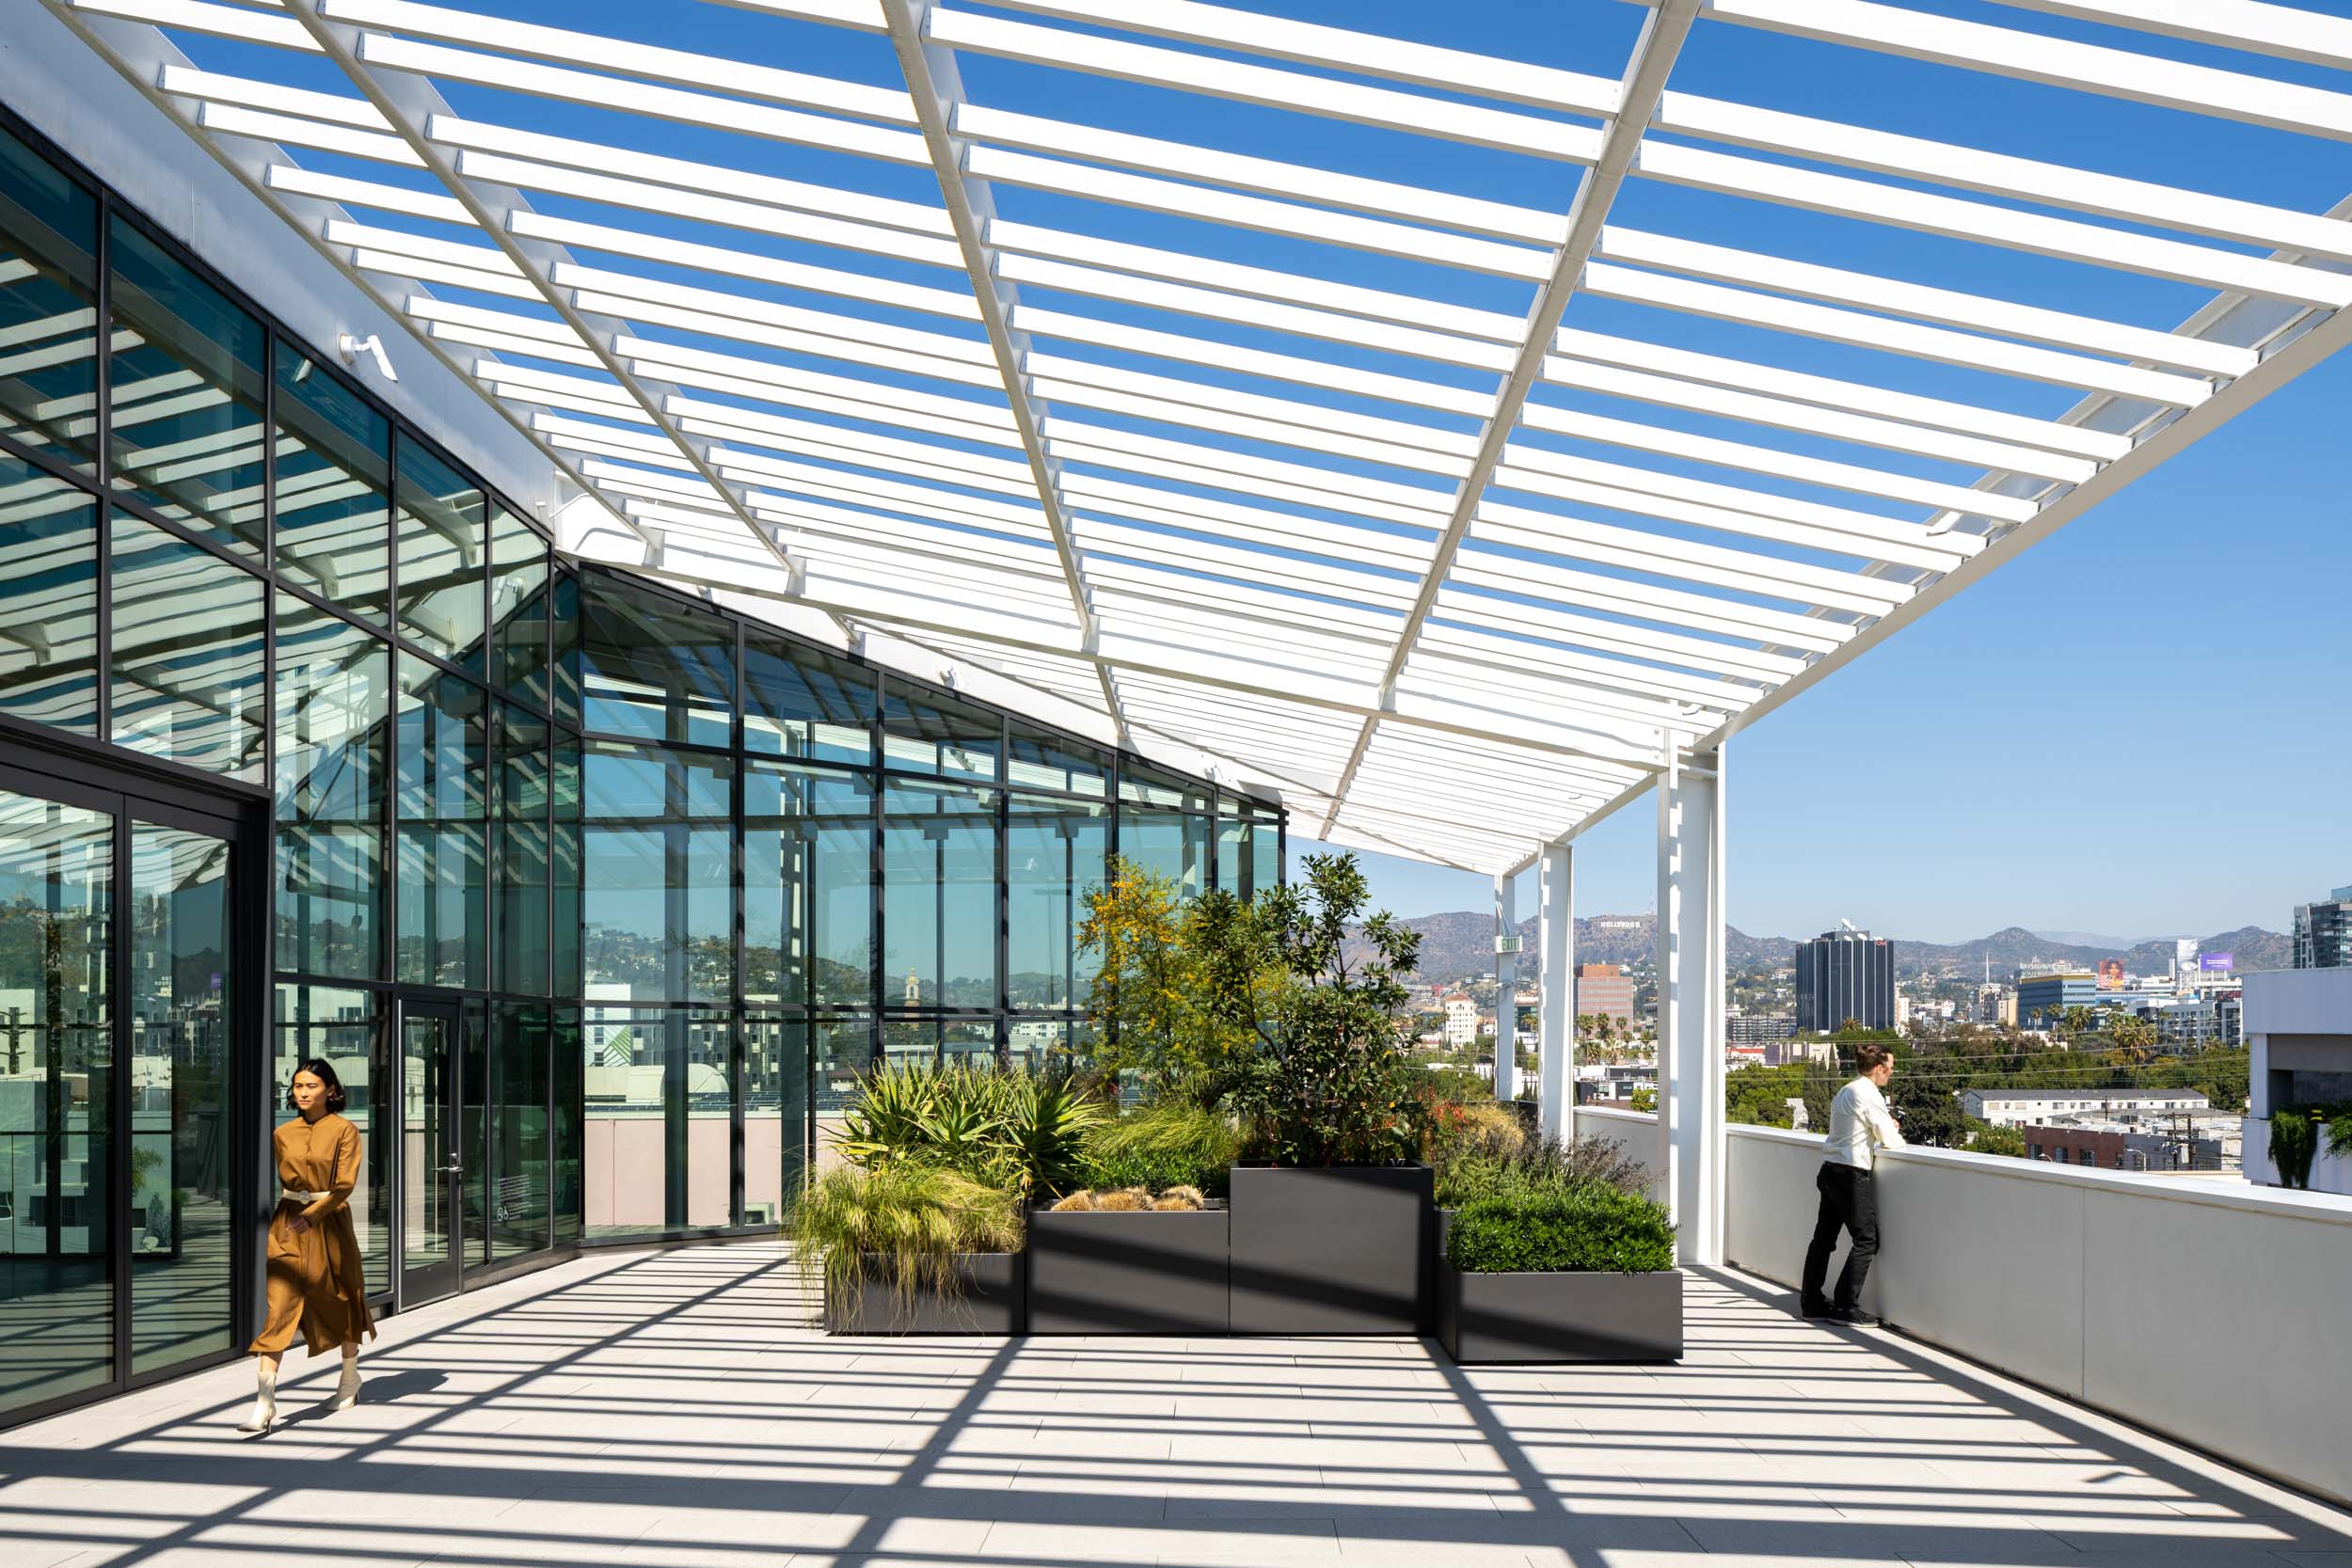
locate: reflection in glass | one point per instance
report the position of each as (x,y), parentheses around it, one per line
(808,879)
(48,591)
(188,652)
(927,734)
(441,570)
(564,1131)
(343,1026)
(182,1134)
(1164,827)
(707,1089)
(1043,760)
(839,1050)
(48,299)
(430,1227)
(1053,856)
(939,896)
(520,1177)
(519,905)
(652,669)
(565,850)
(775,1110)
(658,904)
(659,1119)
(801,702)
(968,1040)
(910,1042)
(334,693)
(332,534)
(185,431)
(56,1294)
(519,609)
(1050,1044)
(441,756)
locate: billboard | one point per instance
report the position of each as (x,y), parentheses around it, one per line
(2216,963)
(2110,974)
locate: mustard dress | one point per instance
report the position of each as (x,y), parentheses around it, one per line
(315,1276)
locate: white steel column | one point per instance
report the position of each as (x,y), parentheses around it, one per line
(1506,992)
(1690,946)
(1555,1019)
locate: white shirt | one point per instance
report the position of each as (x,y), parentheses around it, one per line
(1859,1124)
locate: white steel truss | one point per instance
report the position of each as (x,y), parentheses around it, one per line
(1153,358)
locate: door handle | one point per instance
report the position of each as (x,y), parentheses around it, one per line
(452,1170)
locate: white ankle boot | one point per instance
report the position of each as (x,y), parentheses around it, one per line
(265,1407)
(346,1387)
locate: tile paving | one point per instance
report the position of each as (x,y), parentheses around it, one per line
(670,1409)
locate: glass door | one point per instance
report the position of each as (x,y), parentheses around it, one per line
(120,1011)
(432,1237)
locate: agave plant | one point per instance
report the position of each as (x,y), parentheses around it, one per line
(1046,1127)
(885,1120)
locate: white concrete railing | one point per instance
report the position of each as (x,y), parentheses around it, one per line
(2212,1312)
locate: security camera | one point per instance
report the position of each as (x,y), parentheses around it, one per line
(353,347)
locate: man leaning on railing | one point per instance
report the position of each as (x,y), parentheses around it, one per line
(1859,1126)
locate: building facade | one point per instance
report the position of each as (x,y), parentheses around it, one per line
(2299,1036)
(2016,1107)
(1604,990)
(1844,974)
(594,896)
(2043,1000)
(2323,932)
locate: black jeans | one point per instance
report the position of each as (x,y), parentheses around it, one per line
(1850,1200)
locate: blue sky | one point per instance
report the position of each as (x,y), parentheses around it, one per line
(2132,728)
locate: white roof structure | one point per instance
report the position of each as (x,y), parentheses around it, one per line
(1447,430)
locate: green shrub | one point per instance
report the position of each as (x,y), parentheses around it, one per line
(1164,1146)
(900,1223)
(1017,1131)
(1470,1170)
(1590,1228)
(2294,1140)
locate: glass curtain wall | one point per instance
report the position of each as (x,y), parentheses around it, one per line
(683,876)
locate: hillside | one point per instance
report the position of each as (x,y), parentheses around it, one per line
(1459,944)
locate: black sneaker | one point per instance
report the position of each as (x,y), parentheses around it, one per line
(1853,1316)
(1815,1309)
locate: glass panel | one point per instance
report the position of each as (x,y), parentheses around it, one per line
(775,1116)
(939,896)
(342,1027)
(332,534)
(1049,1044)
(658,907)
(567,850)
(186,427)
(183,979)
(839,1050)
(474,1105)
(442,756)
(970,1040)
(626,1069)
(48,306)
(334,693)
(800,702)
(1053,856)
(519,609)
(519,906)
(564,1140)
(48,589)
(56,1296)
(708,1108)
(1266,852)
(910,1042)
(1174,843)
(520,1177)
(188,652)
(1043,760)
(429,1222)
(652,669)
(564,648)
(808,886)
(441,530)
(926,733)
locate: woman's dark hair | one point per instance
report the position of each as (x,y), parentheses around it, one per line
(1865,1059)
(317,1067)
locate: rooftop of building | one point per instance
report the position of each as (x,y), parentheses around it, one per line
(2092,1097)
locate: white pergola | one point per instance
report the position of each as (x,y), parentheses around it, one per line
(1460,511)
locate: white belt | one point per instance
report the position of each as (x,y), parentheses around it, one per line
(296,1195)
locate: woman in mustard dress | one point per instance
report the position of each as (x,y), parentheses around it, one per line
(315,1276)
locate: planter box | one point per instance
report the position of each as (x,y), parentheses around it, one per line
(1128,1273)
(1344,1250)
(991,1300)
(1560,1316)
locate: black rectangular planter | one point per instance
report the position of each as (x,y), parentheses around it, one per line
(1560,1316)
(1145,1272)
(1342,1250)
(991,1299)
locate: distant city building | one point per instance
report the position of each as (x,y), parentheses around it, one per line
(2323,932)
(2016,1107)
(1844,974)
(1788,1053)
(1461,1020)
(2043,1000)
(1757,1028)
(1604,990)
